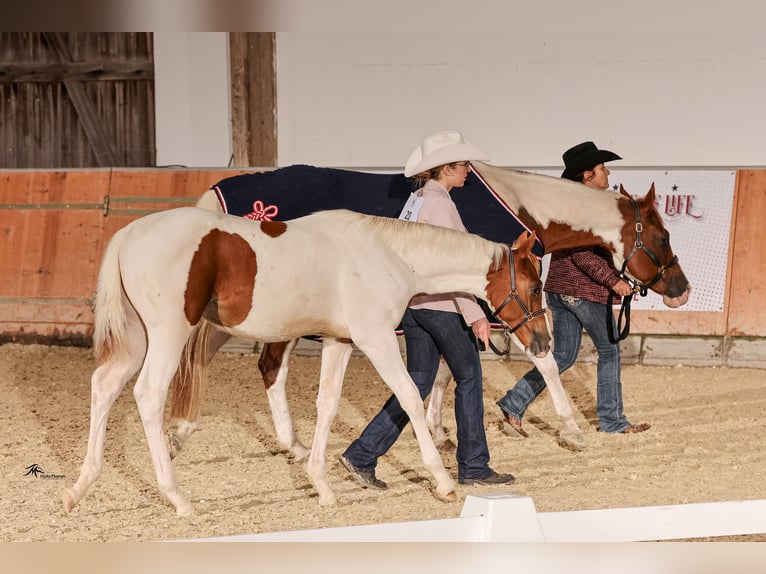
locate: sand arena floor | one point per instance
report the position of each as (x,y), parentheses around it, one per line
(706,444)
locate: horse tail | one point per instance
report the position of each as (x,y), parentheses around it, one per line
(111,317)
(190,381)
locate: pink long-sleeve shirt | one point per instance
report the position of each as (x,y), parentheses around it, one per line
(439,209)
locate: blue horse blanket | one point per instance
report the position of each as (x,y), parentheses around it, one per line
(298,190)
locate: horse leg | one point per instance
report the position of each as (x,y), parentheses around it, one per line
(150,392)
(384,354)
(106,383)
(434,411)
(335,356)
(185,428)
(570,436)
(274,366)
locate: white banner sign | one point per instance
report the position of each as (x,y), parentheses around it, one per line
(696,207)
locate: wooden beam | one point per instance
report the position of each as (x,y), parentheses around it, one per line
(253,99)
(240,122)
(76,71)
(262,103)
(91,123)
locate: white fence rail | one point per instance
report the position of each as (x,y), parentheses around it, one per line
(512,518)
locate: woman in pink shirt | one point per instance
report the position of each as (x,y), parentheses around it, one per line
(445,325)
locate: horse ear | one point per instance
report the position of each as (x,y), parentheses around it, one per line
(531,240)
(649,198)
(625,193)
(524,243)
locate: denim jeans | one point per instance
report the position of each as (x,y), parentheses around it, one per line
(428,335)
(570,316)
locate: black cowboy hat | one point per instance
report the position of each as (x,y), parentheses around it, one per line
(583,157)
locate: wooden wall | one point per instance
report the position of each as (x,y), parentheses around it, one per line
(55,224)
(744,313)
(76,99)
(54,227)
(746,309)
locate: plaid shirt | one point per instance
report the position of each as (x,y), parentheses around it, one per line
(585,273)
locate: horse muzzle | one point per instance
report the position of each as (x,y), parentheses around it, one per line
(674,302)
(540,345)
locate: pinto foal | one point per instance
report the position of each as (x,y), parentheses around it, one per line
(167,277)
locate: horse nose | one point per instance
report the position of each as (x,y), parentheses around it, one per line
(540,345)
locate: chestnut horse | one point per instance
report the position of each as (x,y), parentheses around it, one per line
(564,215)
(567,215)
(166,278)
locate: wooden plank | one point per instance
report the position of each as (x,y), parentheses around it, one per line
(262,99)
(747,313)
(134,193)
(101,143)
(59,320)
(39,124)
(240,124)
(76,71)
(677,323)
(51,253)
(253,98)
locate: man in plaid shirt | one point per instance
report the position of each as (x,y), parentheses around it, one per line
(577,290)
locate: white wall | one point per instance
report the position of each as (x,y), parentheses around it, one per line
(658,99)
(669,99)
(192,103)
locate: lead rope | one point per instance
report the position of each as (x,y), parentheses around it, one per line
(624,315)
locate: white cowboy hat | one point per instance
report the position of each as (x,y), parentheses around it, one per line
(441,148)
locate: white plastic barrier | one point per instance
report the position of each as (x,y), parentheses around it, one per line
(512,518)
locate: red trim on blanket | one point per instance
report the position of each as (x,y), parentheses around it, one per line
(221,200)
(502,202)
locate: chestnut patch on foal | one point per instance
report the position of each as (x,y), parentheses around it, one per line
(273,228)
(221,279)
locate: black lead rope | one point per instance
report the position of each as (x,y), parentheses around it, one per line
(482,348)
(624,315)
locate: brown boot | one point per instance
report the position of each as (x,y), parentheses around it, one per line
(515,424)
(630,429)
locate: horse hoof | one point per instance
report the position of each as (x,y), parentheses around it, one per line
(69,500)
(184,509)
(572,441)
(446,447)
(328,500)
(300,452)
(450,496)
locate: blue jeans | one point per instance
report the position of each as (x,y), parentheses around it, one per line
(428,335)
(570,316)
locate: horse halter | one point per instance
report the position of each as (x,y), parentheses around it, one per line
(638,287)
(514,296)
(639,245)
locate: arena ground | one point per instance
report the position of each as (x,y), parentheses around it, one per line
(706,444)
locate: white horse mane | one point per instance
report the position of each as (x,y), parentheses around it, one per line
(401,236)
(550,199)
